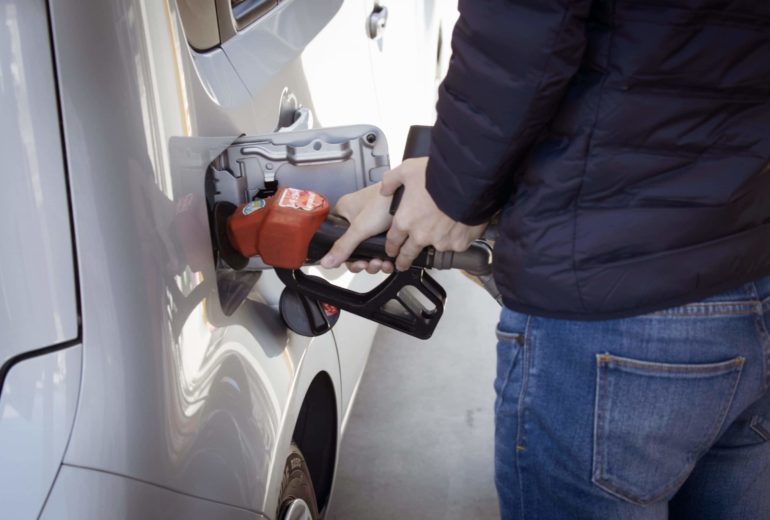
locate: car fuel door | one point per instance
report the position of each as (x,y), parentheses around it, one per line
(329,161)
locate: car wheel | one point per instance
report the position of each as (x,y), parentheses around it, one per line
(297,500)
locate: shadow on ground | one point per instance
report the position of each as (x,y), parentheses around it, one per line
(419,442)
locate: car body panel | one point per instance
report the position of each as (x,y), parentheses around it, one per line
(38,300)
(208,392)
(176,398)
(84,493)
(337,65)
(37,409)
(285,30)
(208,397)
(353,334)
(412,30)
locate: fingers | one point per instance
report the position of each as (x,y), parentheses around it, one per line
(391,181)
(407,254)
(346,209)
(343,247)
(357,266)
(395,239)
(372,267)
(351,204)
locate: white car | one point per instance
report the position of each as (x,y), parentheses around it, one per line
(130,386)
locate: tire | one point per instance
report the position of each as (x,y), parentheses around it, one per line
(297,500)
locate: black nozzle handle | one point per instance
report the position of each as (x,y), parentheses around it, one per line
(477,260)
(410,314)
(396,200)
(417,145)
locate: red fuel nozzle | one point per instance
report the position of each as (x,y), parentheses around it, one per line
(278,229)
(293,227)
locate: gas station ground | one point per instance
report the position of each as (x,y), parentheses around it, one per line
(419,442)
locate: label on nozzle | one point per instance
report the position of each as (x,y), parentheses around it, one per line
(300,199)
(253,206)
(329,309)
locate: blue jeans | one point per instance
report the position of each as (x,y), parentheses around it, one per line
(665,415)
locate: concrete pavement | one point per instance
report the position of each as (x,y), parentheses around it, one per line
(419,442)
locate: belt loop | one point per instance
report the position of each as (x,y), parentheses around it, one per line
(763,288)
(753,291)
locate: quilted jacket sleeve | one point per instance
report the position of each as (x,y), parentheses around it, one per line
(511,63)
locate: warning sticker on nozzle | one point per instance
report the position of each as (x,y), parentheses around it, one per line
(300,199)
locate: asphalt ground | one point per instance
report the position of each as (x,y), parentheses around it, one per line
(419,441)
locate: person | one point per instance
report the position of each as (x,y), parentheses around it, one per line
(625,145)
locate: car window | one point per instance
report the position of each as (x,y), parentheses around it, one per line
(248,11)
(210,23)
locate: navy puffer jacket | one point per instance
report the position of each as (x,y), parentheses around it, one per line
(627,143)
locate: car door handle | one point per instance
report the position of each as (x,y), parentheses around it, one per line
(378,19)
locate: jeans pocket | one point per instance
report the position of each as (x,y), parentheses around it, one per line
(654,420)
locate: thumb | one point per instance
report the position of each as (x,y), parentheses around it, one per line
(390,182)
(343,248)
(347,207)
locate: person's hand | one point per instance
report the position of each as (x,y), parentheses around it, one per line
(418,222)
(369,214)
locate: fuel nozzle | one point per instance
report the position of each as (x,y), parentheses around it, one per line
(278,228)
(294,228)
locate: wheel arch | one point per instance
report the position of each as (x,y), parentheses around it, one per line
(315,433)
